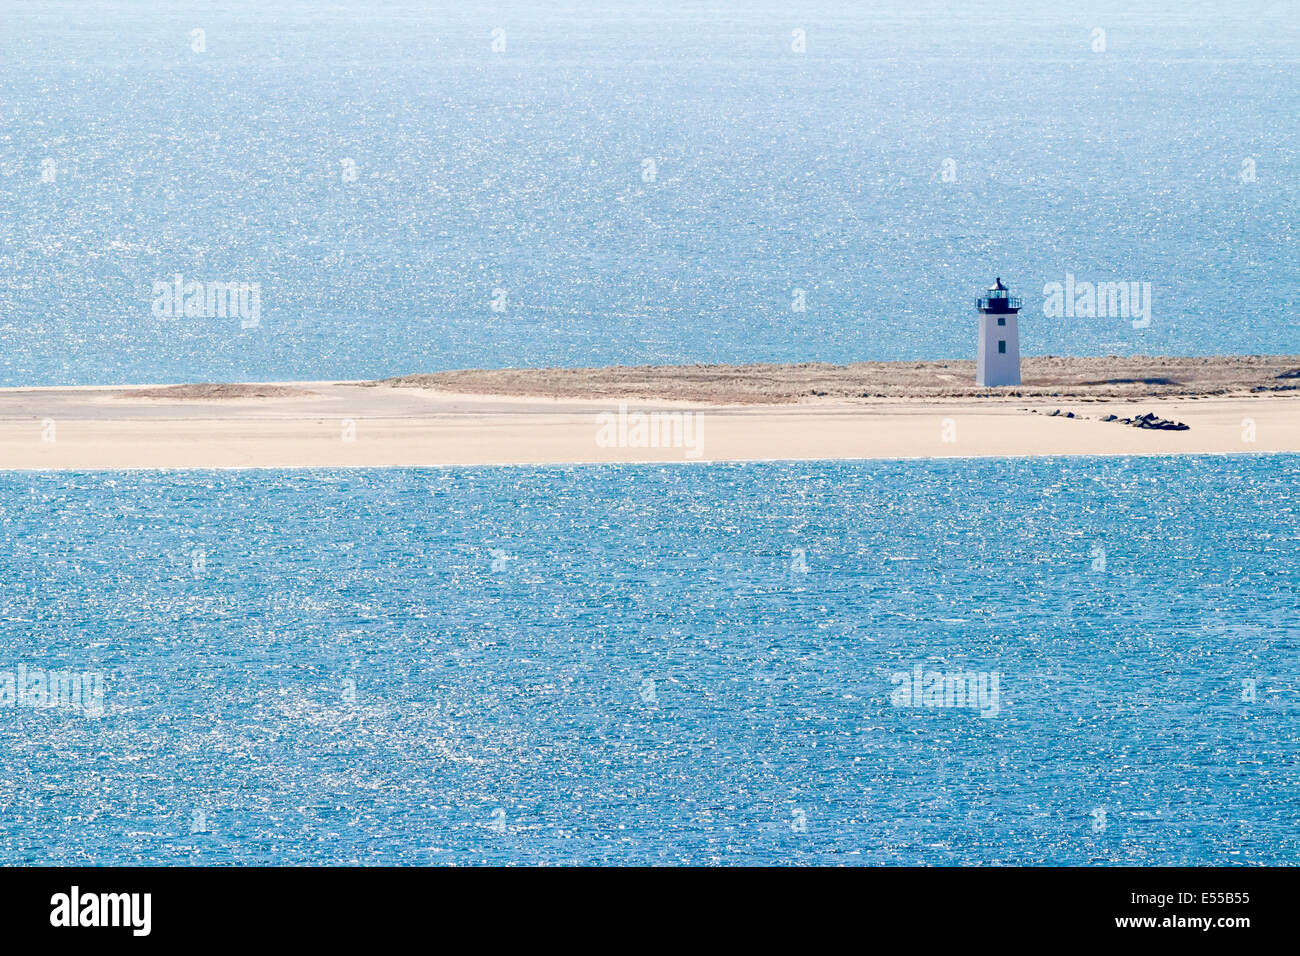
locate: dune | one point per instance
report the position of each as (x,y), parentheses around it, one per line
(697,413)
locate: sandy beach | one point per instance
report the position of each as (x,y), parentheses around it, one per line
(689,413)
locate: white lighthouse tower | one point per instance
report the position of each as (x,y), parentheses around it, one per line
(998,362)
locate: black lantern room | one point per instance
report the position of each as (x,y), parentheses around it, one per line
(998,302)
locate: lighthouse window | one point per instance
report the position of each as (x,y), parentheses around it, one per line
(1002,346)
(1002,320)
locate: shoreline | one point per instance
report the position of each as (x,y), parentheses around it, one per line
(1243,405)
(594,463)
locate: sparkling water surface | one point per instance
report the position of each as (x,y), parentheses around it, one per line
(628,663)
(525,171)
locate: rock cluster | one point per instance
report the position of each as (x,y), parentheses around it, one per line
(1149,420)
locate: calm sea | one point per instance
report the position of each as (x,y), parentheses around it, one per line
(630,183)
(657,664)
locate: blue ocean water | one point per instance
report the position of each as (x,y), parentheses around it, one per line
(910,153)
(678,663)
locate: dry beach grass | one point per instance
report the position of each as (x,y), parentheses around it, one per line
(1093,378)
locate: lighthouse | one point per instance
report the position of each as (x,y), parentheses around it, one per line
(998,361)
